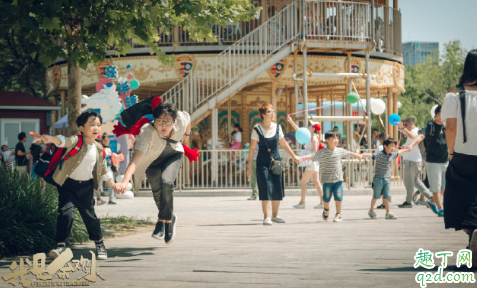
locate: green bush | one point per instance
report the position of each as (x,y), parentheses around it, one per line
(28,216)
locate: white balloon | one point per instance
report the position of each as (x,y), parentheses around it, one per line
(119,178)
(433,111)
(125,195)
(107,100)
(399,105)
(378,106)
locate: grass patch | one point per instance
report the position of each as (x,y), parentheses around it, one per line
(123,226)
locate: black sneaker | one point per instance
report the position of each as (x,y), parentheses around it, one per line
(405,205)
(54,253)
(158,231)
(170,229)
(101,253)
(380,206)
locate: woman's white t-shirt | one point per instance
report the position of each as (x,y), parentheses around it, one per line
(451,109)
(268,133)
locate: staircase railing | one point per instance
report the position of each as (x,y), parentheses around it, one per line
(209,79)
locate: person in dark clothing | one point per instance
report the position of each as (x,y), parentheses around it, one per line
(20,154)
(35,151)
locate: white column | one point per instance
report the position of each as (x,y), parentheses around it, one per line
(215,137)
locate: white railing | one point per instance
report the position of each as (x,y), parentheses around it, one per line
(209,79)
(338,20)
(232,167)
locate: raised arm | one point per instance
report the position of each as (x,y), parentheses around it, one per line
(406,132)
(45,139)
(292,123)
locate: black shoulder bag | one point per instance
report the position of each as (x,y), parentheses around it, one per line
(276,166)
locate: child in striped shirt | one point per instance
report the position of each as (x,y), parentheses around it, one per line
(382,175)
(331,172)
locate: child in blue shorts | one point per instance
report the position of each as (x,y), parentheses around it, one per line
(331,172)
(382,175)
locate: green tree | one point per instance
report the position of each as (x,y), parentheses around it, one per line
(19,71)
(427,83)
(83,31)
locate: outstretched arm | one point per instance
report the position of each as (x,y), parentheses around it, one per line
(408,149)
(417,140)
(356,155)
(287,148)
(366,155)
(136,159)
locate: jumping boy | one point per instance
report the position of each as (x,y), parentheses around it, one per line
(77,178)
(331,172)
(382,175)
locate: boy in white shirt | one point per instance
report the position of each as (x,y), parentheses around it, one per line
(76,180)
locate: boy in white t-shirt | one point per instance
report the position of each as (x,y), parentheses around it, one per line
(76,180)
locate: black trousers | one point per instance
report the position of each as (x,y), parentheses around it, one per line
(161,175)
(76,194)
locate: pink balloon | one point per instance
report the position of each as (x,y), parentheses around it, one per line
(102,83)
(130,76)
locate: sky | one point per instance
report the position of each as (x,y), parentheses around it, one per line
(439,21)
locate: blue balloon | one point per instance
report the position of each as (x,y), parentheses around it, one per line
(303,135)
(394,119)
(128,66)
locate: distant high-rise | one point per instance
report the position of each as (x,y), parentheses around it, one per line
(416,52)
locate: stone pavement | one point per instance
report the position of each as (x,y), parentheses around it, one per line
(221,242)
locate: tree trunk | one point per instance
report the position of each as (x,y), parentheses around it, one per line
(74,97)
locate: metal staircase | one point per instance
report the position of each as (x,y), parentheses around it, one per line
(330,25)
(232,69)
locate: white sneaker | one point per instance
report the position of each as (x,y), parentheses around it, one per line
(320,206)
(278,219)
(372,214)
(337,218)
(267,221)
(299,206)
(390,216)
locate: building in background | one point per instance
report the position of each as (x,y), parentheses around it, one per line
(417,52)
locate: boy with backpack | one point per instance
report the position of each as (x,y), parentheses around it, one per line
(382,175)
(76,177)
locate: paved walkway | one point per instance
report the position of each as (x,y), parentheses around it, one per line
(221,242)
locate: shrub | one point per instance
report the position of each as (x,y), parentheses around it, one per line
(28,216)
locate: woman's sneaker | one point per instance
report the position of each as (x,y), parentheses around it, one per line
(337,218)
(54,253)
(267,221)
(390,216)
(299,206)
(101,253)
(372,214)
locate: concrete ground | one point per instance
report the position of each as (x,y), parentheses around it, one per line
(221,242)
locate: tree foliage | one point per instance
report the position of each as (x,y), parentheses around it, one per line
(427,83)
(82,32)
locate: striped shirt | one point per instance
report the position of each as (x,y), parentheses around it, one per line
(331,170)
(383,163)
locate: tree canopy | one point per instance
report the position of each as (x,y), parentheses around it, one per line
(82,32)
(427,83)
